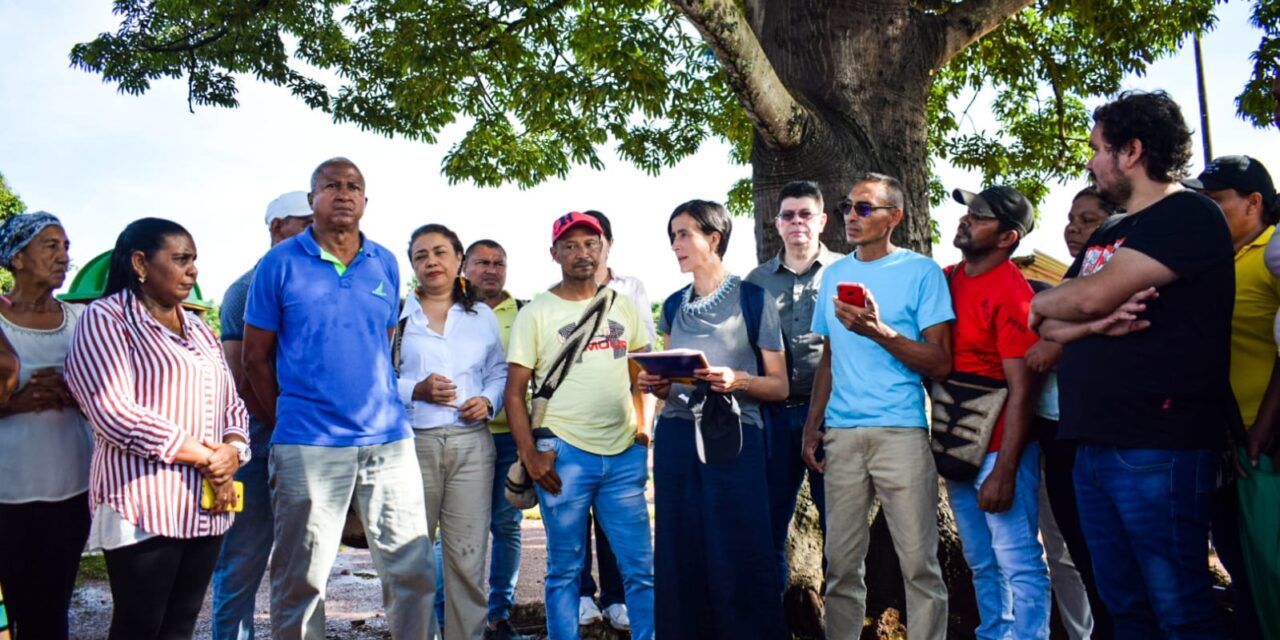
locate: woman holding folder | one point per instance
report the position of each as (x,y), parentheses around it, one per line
(714,572)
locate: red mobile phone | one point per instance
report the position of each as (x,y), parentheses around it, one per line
(851,293)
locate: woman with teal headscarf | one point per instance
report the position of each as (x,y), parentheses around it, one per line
(45,443)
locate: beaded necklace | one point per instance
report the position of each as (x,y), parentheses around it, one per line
(697,307)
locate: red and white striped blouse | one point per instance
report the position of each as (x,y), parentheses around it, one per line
(143,388)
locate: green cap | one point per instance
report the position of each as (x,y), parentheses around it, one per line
(91,281)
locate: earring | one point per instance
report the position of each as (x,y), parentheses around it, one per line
(142,278)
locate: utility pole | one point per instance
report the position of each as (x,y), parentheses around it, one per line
(1204,103)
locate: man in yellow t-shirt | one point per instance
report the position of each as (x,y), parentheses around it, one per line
(586,452)
(485,265)
(1244,190)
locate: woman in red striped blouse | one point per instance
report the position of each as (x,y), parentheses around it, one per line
(153,382)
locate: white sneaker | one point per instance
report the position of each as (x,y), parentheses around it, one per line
(616,614)
(588,612)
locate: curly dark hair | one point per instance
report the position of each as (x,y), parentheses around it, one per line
(1106,205)
(1154,119)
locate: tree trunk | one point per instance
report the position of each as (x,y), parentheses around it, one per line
(864,76)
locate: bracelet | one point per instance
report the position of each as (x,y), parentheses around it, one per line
(747,387)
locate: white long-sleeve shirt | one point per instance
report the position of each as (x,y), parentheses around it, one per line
(144,390)
(469,353)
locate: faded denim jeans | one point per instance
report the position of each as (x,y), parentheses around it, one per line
(614,486)
(1145,514)
(1003,549)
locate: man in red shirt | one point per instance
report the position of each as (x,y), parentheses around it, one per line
(997,512)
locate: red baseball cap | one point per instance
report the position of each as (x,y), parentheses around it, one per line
(571,220)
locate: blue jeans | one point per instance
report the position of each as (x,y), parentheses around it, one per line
(1145,514)
(504,525)
(1003,550)
(614,486)
(784,472)
(715,568)
(611,591)
(439,602)
(243,560)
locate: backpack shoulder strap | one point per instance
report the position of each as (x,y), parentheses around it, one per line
(671,305)
(751,297)
(395,344)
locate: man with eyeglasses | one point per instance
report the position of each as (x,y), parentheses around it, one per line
(791,279)
(868,397)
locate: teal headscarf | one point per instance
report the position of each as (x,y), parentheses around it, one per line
(17,232)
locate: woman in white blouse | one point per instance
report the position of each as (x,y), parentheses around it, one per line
(452,370)
(152,380)
(45,443)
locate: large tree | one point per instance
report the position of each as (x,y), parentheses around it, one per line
(814,89)
(10,203)
(801,89)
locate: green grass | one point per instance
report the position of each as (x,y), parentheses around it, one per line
(93,567)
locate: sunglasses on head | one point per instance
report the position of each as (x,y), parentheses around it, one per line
(803,214)
(863,209)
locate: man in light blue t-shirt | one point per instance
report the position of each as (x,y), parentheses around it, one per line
(317,354)
(868,391)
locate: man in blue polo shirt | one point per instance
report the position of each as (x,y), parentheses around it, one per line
(867,390)
(317,355)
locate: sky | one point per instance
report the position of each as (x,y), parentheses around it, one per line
(73,145)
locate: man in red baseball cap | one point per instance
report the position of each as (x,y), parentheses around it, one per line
(579,444)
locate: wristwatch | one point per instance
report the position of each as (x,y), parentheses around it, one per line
(245,454)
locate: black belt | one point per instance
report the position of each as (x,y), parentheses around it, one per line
(542,433)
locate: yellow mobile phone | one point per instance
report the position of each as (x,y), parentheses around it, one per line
(206,495)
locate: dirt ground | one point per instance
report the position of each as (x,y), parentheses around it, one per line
(353,606)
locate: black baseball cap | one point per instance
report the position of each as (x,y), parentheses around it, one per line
(1002,203)
(1242,173)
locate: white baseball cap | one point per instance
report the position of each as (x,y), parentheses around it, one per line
(290,205)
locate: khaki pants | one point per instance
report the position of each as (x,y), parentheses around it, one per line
(896,466)
(457,481)
(312,488)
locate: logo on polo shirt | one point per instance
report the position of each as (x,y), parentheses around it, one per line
(380,291)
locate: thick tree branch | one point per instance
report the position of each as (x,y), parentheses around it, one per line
(971,20)
(777,116)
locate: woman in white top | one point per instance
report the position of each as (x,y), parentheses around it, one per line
(453,371)
(45,443)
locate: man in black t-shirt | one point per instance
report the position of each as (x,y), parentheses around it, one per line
(1143,382)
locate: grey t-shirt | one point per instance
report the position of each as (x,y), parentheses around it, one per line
(232,317)
(720,331)
(233,303)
